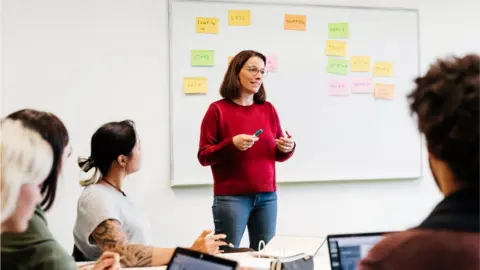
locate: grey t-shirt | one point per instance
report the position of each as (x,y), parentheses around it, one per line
(98,203)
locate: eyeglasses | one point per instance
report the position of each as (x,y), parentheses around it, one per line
(255,71)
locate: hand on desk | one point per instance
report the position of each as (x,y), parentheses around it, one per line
(209,243)
(108,261)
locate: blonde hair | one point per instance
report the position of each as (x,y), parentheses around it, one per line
(25,157)
(86,164)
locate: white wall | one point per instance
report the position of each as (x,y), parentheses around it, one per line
(92,61)
(1,56)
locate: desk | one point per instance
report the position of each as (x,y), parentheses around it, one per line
(245,260)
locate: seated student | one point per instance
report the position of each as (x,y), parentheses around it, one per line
(446,102)
(106,218)
(26,159)
(35,247)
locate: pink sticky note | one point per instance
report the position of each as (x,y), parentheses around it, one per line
(362,86)
(338,88)
(272,63)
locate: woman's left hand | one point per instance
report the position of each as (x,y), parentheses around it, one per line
(285,143)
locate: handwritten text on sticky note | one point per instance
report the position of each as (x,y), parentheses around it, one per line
(360,63)
(202,58)
(207,25)
(338,30)
(295,22)
(239,17)
(336,48)
(338,88)
(272,63)
(362,86)
(337,66)
(385,91)
(383,69)
(197,85)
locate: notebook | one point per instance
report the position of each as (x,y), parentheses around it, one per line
(288,245)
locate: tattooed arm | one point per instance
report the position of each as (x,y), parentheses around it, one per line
(110,237)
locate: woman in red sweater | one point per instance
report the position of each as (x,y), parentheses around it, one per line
(243,165)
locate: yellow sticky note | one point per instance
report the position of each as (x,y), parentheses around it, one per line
(239,17)
(360,63)
(230,59)
(336,48)
(295,22)
(206,25)
(383,69)
(197,85)
(385,91)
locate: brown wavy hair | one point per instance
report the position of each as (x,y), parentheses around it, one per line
(446,102)
(230,87)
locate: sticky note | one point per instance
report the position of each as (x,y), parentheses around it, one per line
(360,63)
(338,30)
(206,25)
(336,48)
(202,58)
(295,22)
(362,86)
(337,66)
(239,17)
(338,88)
(197,85)
(383,69)
(272,63)
(230,59)
(385,91)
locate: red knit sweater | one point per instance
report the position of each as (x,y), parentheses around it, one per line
(238,172)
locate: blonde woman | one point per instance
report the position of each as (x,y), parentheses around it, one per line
(26,160)
(32,145)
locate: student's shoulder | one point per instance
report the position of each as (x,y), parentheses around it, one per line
(92,193)
(401,246)
(51,255)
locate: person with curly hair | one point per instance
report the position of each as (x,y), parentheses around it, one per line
(446,103)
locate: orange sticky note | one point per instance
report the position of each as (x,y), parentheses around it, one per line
(360,63)
(197,85)
(206,25)
(295,22)
(385,91)
(336,48)
(383,69)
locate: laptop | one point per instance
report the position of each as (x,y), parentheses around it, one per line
(186,259)
(347,250)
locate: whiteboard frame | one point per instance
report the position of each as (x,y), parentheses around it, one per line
(265,3)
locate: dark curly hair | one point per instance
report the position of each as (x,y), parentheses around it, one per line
(446,102)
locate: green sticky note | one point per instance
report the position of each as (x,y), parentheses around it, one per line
(202,58)
(337,66)
(338,30)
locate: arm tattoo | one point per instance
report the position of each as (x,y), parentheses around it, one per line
(110,237)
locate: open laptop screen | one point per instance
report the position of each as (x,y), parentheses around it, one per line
(346,250)
(184,259)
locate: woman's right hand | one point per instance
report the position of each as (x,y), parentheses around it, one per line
(244,141)
(108,261)
(209,243)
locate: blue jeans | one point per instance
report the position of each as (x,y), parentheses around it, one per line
(232,214)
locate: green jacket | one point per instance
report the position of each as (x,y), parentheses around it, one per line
(34,249)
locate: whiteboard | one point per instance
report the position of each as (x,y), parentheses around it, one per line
(349,137)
